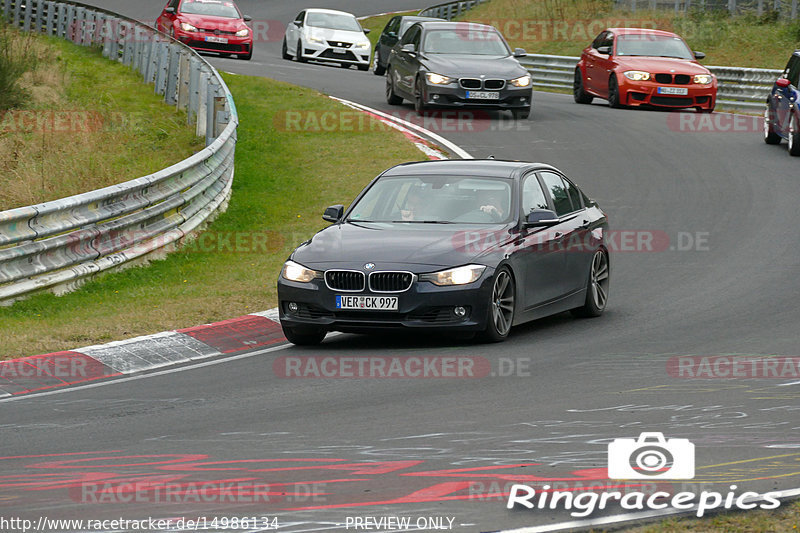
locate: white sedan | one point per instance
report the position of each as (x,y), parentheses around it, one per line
(327,35)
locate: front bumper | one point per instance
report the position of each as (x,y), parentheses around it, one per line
(424,305)
(325,52)
(639,93)
(454,95)
(198,41)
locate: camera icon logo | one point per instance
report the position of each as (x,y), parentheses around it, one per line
(651,457)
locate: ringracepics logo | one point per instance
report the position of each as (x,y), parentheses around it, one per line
(650,456)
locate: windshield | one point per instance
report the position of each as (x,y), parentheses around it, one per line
(333,21)
(210,7)
(464,40)
(435,200)
(653,45)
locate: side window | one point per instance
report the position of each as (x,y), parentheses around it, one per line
(417,38)
(792,72)
(391,25)
(558,192)
(301,16)
(532,195)
(409,35)
(599,39)
(173,4)
(608,40)
(574,194)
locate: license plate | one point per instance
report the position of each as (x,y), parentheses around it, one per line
(683,91)
(339,50)
(372,303)
(483,95)
(219,40)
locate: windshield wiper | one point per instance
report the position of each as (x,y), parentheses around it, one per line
(422,221)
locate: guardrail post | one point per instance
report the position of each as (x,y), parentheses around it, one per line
(163,65)
(137,47)
(7,9)
(17,13)
(194,90)
(152,59)
(184,75)
(170,92)
(39,20)
(211,118)
(80,24)
(143,64)
(26,25)
(61,17)
(50,22)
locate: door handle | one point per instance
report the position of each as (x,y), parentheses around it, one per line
(585,224)
(558,235)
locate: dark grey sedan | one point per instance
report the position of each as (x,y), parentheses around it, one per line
(473,246)
(393,32)
(458,64)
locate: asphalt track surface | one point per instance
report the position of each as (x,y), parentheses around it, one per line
(443,447)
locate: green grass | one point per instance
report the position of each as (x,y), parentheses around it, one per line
(566,27)
(284,180)
(111,126)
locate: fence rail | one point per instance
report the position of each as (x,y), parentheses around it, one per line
(742,89)
(58,244)
(450,10)
(784,8)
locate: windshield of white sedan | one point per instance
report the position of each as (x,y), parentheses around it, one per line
(332,21)
(211,9)
(653,46)
(435,200)
(465,41)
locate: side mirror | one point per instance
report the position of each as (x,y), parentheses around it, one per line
(699,55)
(409,48)
(366,30)
(520,52)
(170,10)
(333,213)
(298,23)
(605,50)
(782,83)
(541,218)
(247,18)
(392,34)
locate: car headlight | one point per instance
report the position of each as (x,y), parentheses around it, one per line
(363,45)
(703,79)
(437,79)
(243,32)
(455,276)
(297,272)
(522,81)
(315,40)
(637,75)
(185,26)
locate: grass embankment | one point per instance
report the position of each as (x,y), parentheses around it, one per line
(72,121)
(284,179)
(566,27)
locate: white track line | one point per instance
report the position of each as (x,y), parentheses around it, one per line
(460,152)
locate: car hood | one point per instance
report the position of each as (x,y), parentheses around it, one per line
(328,34)
(468,66)
(661,64)
(213,23)
(414,247)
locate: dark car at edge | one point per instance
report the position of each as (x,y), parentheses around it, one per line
(468,245)
(781,116)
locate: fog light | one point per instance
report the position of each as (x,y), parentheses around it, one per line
(435,96)
(292,307)
(460,312)
(523,100)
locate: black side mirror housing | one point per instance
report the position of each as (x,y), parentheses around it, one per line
(169,10)
(247,18)
(541,218)
(333,213)
(392,34)
(699,55)
(366,30)
(298,23)
(520,52)
(605,50)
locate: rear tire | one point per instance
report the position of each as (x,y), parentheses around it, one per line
(303,336)
(770,137)
(596,288)
(378,70)
(501,308)
(794,136)
(391,97)
(613,92)
(578,94)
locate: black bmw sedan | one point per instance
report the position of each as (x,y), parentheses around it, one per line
(458,64)
(470,245)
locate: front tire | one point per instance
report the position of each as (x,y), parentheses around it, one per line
(299,52)
(391,97)
(596,288)
(770,137)
(419,100)
(613,92)
(578,94)
(501,308)
(285,50)
(303,336)
(794,136)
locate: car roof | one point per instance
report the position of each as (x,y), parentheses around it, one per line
(445,24)
(641,31)
(493,168)
(417,18)
(322,10)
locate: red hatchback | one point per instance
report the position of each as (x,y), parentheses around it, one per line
(208,26)
(634,67)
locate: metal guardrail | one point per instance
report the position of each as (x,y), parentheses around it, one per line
(784,8)
(450,10)
(744,89)
(58,244)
